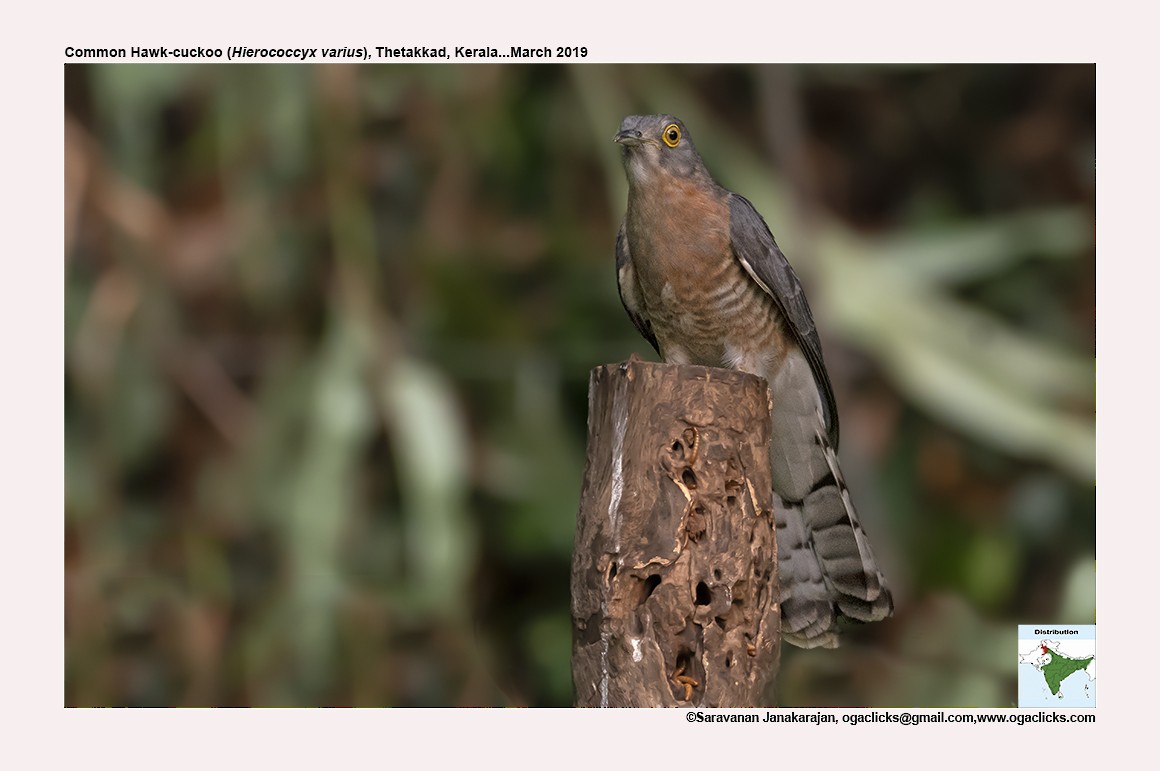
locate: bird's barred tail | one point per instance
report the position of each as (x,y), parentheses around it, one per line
(825,565)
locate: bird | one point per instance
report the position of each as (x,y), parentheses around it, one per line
(704,282)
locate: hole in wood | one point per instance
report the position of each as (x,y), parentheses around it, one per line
(728,660)
(716,574)
(640,589)
(689,478)
(695,523)
(650,585)
(732,492)
(591,629)
(720,622)
(703,595)
(612,570)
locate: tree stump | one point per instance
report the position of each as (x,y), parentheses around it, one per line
(674,569)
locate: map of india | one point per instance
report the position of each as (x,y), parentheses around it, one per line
(1057,669)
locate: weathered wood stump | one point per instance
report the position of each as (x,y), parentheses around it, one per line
(674,569)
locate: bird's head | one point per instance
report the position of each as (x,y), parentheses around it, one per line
(654,145)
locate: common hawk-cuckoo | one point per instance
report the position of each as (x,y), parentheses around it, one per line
(704,281)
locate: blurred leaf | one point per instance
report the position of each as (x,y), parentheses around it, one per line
(139,407)
(537,468)
(319,501)
(970,251)
(1079,595)
(431,447)
(550,641)
(991,562)
(952,657)
(907,311)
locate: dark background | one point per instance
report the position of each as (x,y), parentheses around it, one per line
(328,333)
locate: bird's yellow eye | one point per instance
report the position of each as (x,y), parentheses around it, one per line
(672,135)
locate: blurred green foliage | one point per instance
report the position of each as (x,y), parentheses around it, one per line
(328,332)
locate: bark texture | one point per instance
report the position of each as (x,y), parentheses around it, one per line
(674,570)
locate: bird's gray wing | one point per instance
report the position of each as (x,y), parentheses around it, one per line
(630,292)
(759,254)
(825,565)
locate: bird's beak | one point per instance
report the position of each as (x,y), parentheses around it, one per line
(628,138)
